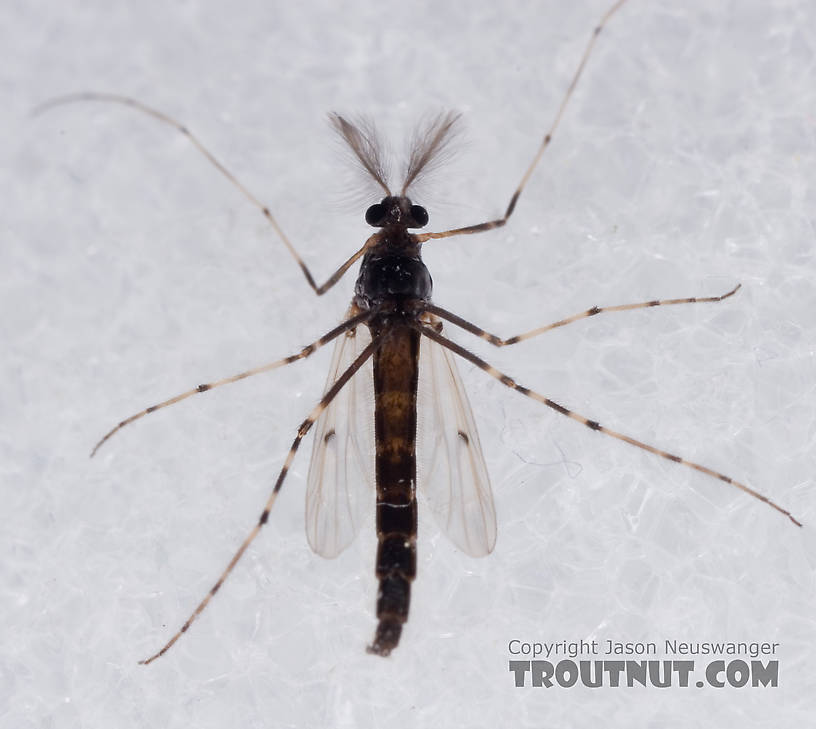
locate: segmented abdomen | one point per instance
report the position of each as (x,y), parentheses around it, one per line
(396,368)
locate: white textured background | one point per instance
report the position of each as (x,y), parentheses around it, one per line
(130,270)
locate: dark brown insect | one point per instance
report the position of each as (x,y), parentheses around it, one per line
(391,351)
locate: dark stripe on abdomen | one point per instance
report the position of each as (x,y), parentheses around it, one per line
(395,388)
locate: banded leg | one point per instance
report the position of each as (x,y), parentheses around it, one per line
(591,424)
(164,118)
(489,225)
(351,323)
(303,429)
(595,310)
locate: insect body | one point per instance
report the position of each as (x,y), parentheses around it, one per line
(392,292)
(395,286)
(392,281)
(391,353)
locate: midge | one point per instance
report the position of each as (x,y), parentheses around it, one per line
(391,350)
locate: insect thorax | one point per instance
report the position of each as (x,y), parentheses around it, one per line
(392,271)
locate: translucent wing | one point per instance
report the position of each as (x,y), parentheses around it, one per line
(341,472)
(452,471)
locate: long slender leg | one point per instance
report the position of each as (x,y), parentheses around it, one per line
(350,323)
(489,225)
(499,342)
(162,117)
(303,429)
(591,424)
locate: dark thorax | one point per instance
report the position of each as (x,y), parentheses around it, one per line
(392,271)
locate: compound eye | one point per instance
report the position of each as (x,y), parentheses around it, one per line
(420,215)
(375,215)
